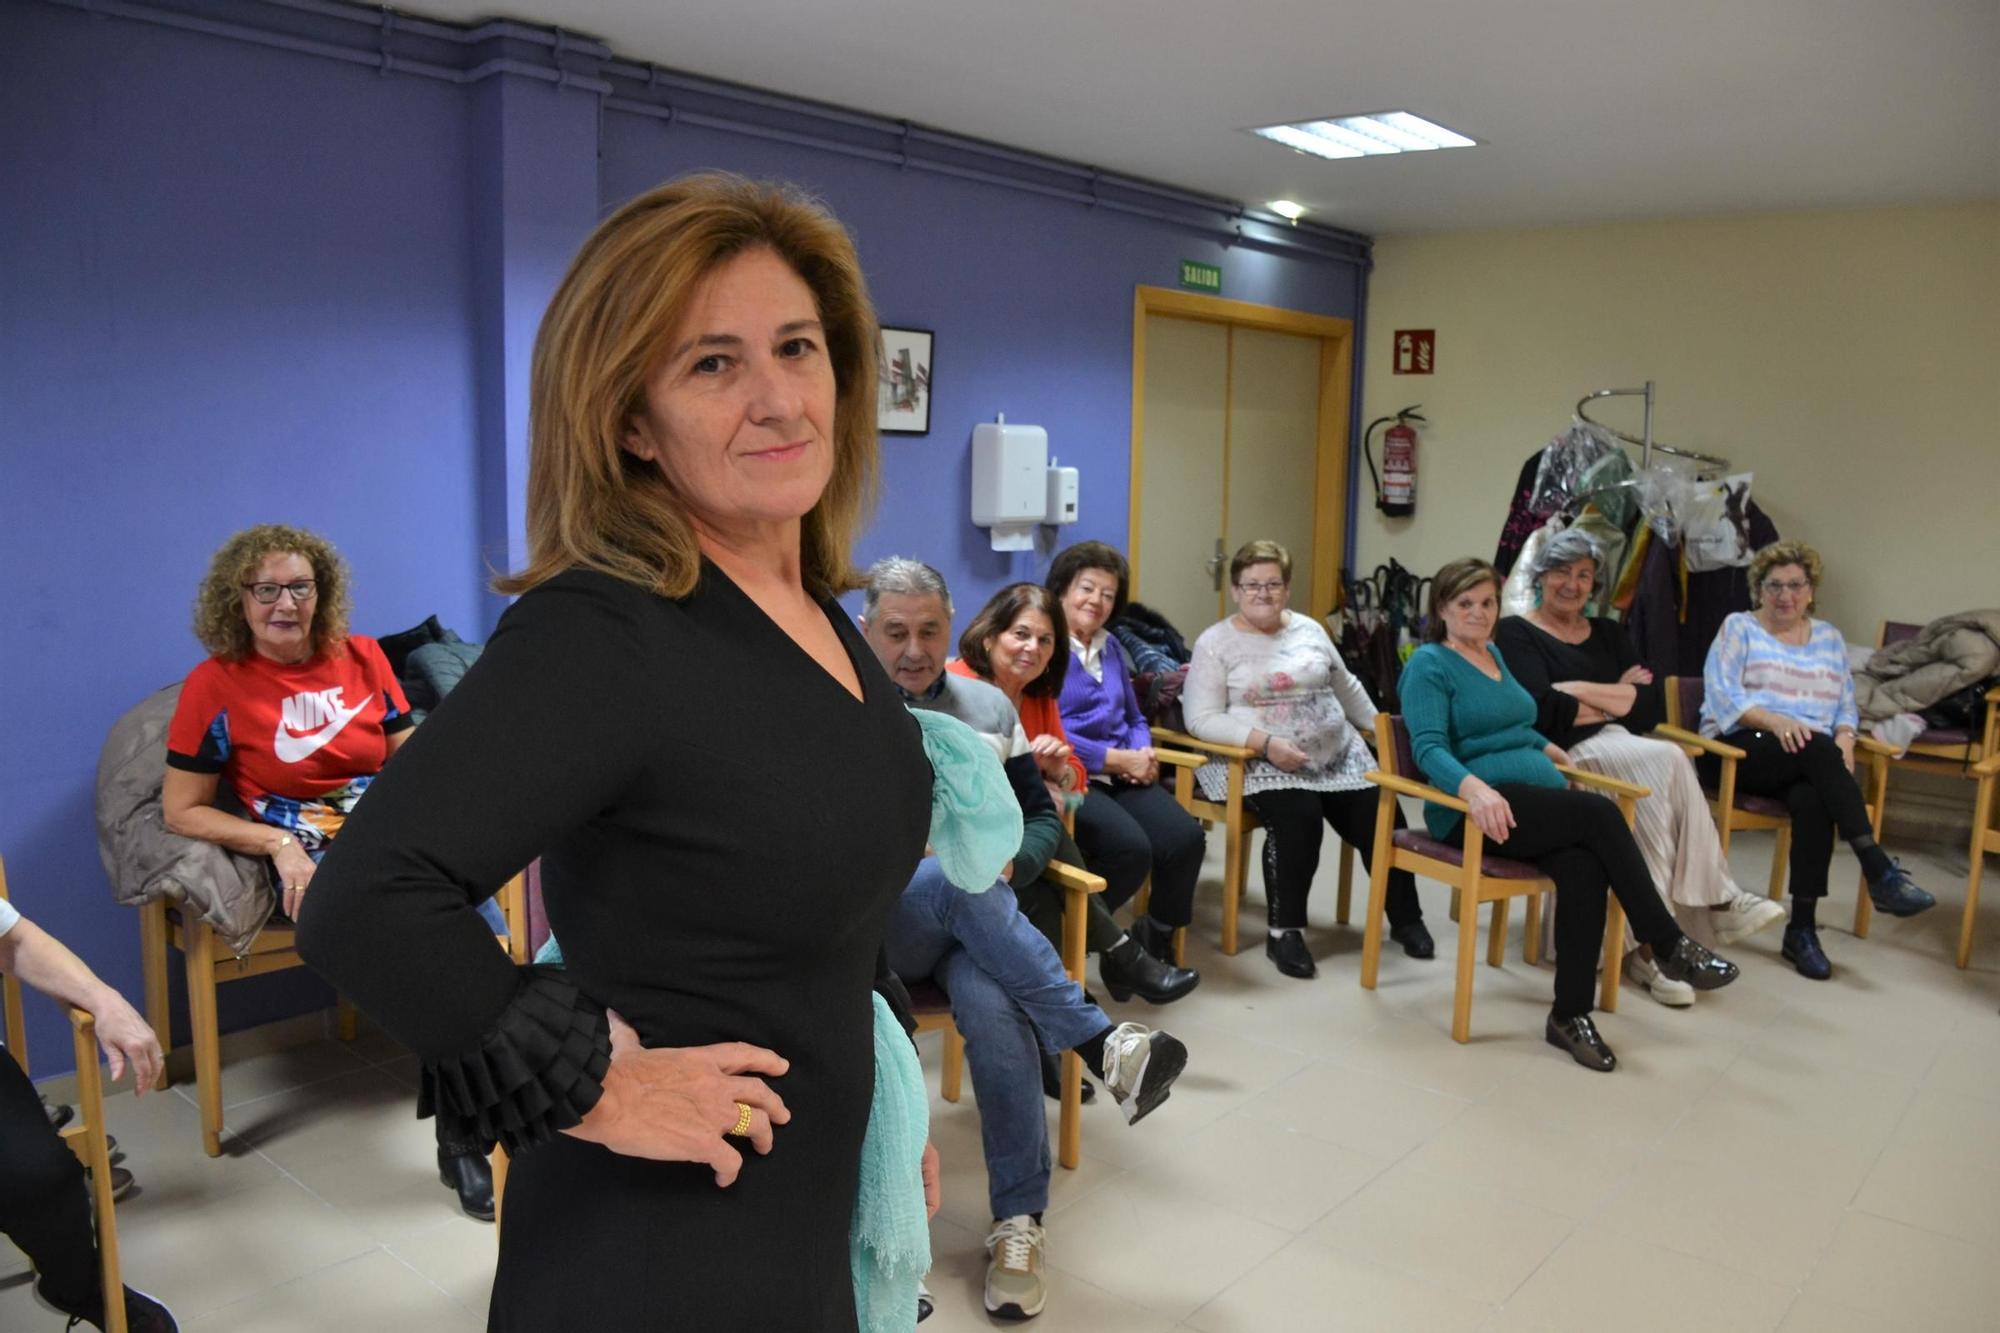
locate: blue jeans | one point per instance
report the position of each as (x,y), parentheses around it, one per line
(1007,986)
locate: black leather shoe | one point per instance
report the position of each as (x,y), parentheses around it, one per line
(1155,937)
(468,1173)
(1129,970)
(1801,949)
(1415,939)
(1288,950)
(1052,1080)
(1898,895)
(1579,1037)
(1698,966)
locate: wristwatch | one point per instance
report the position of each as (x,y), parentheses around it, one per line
(284,841)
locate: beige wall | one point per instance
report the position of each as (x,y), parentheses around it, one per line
(1851,360)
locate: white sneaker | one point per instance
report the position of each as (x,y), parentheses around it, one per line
(1644,972)
(1140,1066)
(1745,915)
(1015,1287)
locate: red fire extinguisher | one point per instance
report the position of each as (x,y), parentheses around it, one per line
(1396,483)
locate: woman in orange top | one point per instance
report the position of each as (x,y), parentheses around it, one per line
(1019,641)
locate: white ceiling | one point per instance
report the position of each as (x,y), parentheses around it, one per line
(1587,110)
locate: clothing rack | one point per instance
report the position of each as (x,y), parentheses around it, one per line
(1647,444)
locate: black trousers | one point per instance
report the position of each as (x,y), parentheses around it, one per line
(44,1203)
(1294,820)
(1127,833)
(1579,840)
(1042,903)
(1815,783)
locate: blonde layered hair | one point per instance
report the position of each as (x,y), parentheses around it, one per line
(594,505)
(1778,554)
(218,606)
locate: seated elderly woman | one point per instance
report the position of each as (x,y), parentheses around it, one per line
(1270,680)
(1777,686)
(1128,826)
(1595,700)
(1472,732)
(1019,643)
(300,715)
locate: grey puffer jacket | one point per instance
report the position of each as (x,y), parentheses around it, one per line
(1947,655)
(232,893)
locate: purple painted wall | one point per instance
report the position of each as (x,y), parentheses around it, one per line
(244,284)
(233,289)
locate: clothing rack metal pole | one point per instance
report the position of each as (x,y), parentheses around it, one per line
(1646,431)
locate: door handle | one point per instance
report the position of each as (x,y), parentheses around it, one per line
(1214,565)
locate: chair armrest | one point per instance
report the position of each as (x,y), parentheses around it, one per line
(1993,695)
(1987,767)
(1870,745)
(1179,758)
(1066,876)
(1680,736)
(1411,787)
(1216,748)
(1616,786)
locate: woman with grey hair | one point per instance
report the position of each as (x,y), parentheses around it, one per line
(1596,700)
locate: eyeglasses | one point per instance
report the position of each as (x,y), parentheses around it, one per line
(1794,586)
(266,594)
(1261,589)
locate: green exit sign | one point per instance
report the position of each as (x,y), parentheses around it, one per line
(1201,277)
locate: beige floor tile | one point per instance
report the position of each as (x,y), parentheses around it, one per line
(1938,1171)
(1471,1242)
(1519,1157)
(457,1256)
(1812,1315)
(160,1135)
(1422,1053)
(1263,1171)
(1355,1108)
(270,1235)
(1895,1270)
(1139,1239)
(272,1072)
(1306,1289)
(374,1292)
(1600,1280)
(1772,1224)
(1968,1062)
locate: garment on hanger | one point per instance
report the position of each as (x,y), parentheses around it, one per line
(1521,519)
(1677,612)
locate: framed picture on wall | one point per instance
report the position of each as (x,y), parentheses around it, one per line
(903,406)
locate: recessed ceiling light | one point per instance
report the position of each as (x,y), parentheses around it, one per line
(1376,134)
(1286,209)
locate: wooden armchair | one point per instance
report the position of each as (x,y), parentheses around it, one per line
(1735,810)
(1237,820)
(85,1135)
(210,965)
(933,1012)
(1475,875)
(1985,838)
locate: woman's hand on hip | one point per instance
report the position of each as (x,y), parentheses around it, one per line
(295,872)
(1284,754)
(679,1104)
(1489,809)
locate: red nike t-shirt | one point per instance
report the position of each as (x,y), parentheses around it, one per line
(288,735)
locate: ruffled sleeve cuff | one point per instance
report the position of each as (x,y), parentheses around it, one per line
(537,1071)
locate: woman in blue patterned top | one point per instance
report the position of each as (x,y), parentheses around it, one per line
(1472,731)
(1777,686)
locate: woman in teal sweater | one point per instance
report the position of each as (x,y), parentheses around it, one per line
(1472,732)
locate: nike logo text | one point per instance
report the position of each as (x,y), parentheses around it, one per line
(320,709)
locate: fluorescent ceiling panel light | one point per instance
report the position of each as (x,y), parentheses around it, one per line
(1377,134)
(1286,209)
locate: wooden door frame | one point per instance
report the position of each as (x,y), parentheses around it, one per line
(1336,397)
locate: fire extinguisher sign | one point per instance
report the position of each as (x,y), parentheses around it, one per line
(1415,351)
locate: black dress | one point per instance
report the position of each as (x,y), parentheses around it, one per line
(723,829)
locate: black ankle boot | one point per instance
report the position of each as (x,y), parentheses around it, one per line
(1052,1080)
(1129,970)
(1415,939)
(1288,950)
(467,1172)
(1155,937)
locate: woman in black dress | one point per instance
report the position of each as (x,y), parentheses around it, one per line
(665,718)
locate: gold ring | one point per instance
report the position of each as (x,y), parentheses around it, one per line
(743,1114)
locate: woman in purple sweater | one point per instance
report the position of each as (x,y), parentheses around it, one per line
(1128,826)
